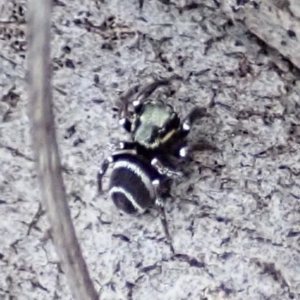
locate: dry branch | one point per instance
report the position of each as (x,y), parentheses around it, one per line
(46,151)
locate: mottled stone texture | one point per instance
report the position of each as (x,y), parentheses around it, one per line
(234,221)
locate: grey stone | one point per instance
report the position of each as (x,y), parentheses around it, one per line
(234,221)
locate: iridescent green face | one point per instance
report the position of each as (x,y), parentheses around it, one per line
(155,124)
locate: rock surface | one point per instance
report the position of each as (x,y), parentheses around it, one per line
(234,221)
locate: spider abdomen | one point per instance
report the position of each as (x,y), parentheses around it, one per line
(131,186)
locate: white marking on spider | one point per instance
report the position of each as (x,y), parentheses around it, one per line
(121,190)
(122,121)
(183,152)
(139,172)
(186,126)
(136,103)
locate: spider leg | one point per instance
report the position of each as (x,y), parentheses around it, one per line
(121,145)
(125,100)
(148,89)
(120,148)
(102,172)
(186,149)
(182,150)
(165,170)
(159,202)
(126,124)
(196,113)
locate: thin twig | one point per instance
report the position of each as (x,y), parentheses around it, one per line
(46,151)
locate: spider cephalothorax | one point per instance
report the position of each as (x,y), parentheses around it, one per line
(155,124)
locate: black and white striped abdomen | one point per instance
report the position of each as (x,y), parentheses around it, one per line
(131,186)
